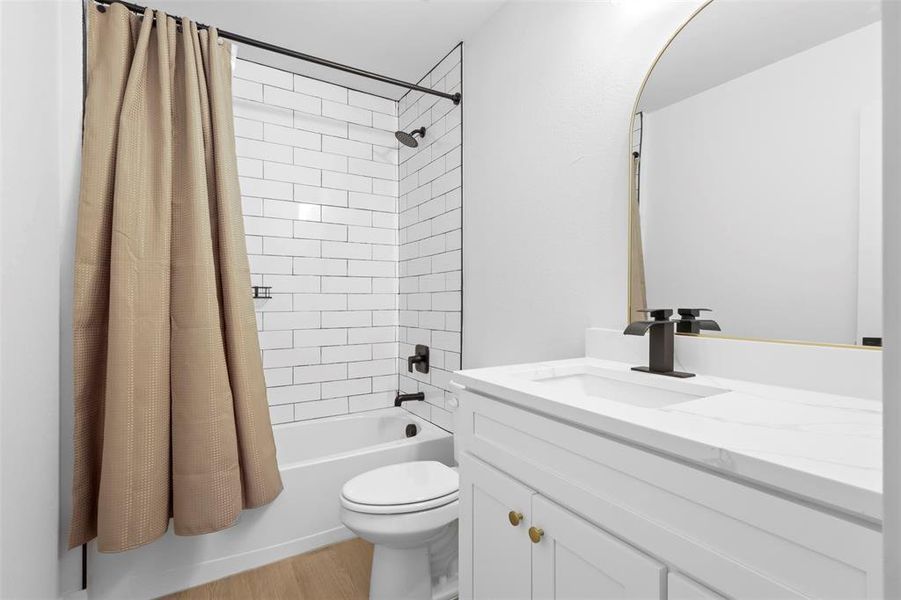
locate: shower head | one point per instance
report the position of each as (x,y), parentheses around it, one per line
(409,139)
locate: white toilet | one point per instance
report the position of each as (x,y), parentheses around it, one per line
(409,512)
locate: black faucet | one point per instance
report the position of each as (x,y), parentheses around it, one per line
(660,359)
(401,398)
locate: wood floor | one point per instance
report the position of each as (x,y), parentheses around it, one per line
(339,572)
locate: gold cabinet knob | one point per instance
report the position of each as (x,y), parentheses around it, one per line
(535,534)
(515,517)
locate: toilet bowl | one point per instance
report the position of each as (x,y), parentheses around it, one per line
(408,511)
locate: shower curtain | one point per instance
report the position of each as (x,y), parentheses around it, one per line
(171,417)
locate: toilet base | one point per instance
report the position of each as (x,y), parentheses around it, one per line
(446,589)
(426,572)
(400,574)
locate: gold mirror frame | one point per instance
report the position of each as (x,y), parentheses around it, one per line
(632,289)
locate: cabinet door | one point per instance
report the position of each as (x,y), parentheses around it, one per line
(574,559)
(495,555)
(680,587)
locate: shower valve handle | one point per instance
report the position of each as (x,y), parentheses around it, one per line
(420,359)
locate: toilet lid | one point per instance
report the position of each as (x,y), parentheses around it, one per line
(403,483)
(401,509)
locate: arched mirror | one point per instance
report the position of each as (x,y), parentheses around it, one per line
(756,172)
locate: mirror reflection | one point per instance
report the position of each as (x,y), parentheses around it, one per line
(756,172)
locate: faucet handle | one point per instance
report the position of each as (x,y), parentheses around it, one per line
(420,359)
(658,314)
(692,313)
(690,323)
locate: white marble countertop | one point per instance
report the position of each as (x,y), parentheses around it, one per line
(822,448)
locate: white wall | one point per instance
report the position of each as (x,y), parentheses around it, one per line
(41,71)
(750,194)
(70,99)
(550,88)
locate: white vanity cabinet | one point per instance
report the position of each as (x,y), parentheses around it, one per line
(526,546)
(620,521)
(574,559)
(495,512)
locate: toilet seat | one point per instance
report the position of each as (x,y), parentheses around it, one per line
(402,488)
(397,509)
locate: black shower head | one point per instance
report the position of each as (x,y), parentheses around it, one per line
(409,139)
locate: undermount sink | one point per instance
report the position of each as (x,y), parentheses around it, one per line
(637,389)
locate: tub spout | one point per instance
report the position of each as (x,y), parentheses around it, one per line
(401,398)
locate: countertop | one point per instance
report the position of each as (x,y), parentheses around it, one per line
(822,449)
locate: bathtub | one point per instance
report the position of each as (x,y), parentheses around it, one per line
(315,459)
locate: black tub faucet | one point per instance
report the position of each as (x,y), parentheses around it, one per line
(401,398)
(660,355)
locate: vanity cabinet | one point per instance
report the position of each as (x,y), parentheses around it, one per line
(493,524)
(526,546)
(621,521)
(574,559)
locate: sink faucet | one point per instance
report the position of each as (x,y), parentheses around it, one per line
(660,359)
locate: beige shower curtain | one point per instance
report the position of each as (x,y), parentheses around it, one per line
(171,417)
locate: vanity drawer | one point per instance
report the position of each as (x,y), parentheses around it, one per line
(739,540)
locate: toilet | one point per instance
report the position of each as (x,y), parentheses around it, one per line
(408,511)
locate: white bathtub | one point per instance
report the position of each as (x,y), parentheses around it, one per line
(315,458)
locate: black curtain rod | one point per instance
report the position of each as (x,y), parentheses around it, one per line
(455,98)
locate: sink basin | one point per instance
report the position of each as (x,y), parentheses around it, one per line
(628,387)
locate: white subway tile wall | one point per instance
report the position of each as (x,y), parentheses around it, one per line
(359,238)
(430,251)
(318,167)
